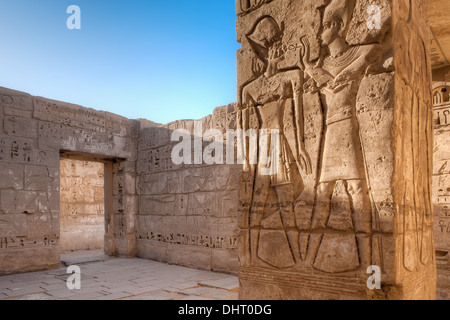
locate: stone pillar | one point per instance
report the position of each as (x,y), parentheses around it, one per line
(120,224)
(347,86)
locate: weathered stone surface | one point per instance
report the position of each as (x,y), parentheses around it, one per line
(29,259)
(195,257)
(189,210)
(15,99)
(152,250)
(352,110)
(1,119)
(20,127)
(18,113)
(11,176)
(337,253)
(40,178)
(14,201)
(12,225)
(225,260)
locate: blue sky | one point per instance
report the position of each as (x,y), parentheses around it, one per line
(160,60)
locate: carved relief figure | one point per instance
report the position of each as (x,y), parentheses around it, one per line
(246,6)
(337,76)
(273,100)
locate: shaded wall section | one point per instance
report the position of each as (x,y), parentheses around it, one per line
(187,212)
(82,205)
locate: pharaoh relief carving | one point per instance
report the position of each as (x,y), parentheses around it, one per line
(337,76)
(273,101)
(338,236)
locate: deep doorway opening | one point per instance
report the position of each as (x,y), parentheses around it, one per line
(82,205)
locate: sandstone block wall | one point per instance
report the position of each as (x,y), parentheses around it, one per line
(183,214)
(33,132)
(187,213)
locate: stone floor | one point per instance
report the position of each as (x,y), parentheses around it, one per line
(107,278)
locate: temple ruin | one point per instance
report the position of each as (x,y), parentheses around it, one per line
(361,113)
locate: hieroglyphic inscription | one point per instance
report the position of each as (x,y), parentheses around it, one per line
(442,117)
(156,160)
(154,137)
(16,150)
(444,226)
(60,136)
(191,240)
(70,115)
(17,242)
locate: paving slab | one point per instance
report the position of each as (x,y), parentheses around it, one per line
(114,296)
(121,279)
(19,292)
(228,283)
(62,293)
(36,296)
(153,295)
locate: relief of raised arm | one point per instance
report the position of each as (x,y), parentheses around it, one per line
(320,76)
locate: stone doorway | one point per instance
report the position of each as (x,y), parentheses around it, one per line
(82,204)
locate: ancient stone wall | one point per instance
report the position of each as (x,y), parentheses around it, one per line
(441,186)
(188,212)
(347,84)
(82,213)
(33,132)
(185,214)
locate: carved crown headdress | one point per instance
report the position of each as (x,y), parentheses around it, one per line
(339,10)
(265,37)
(266,32)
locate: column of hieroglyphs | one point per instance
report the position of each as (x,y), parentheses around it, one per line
(441,185)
